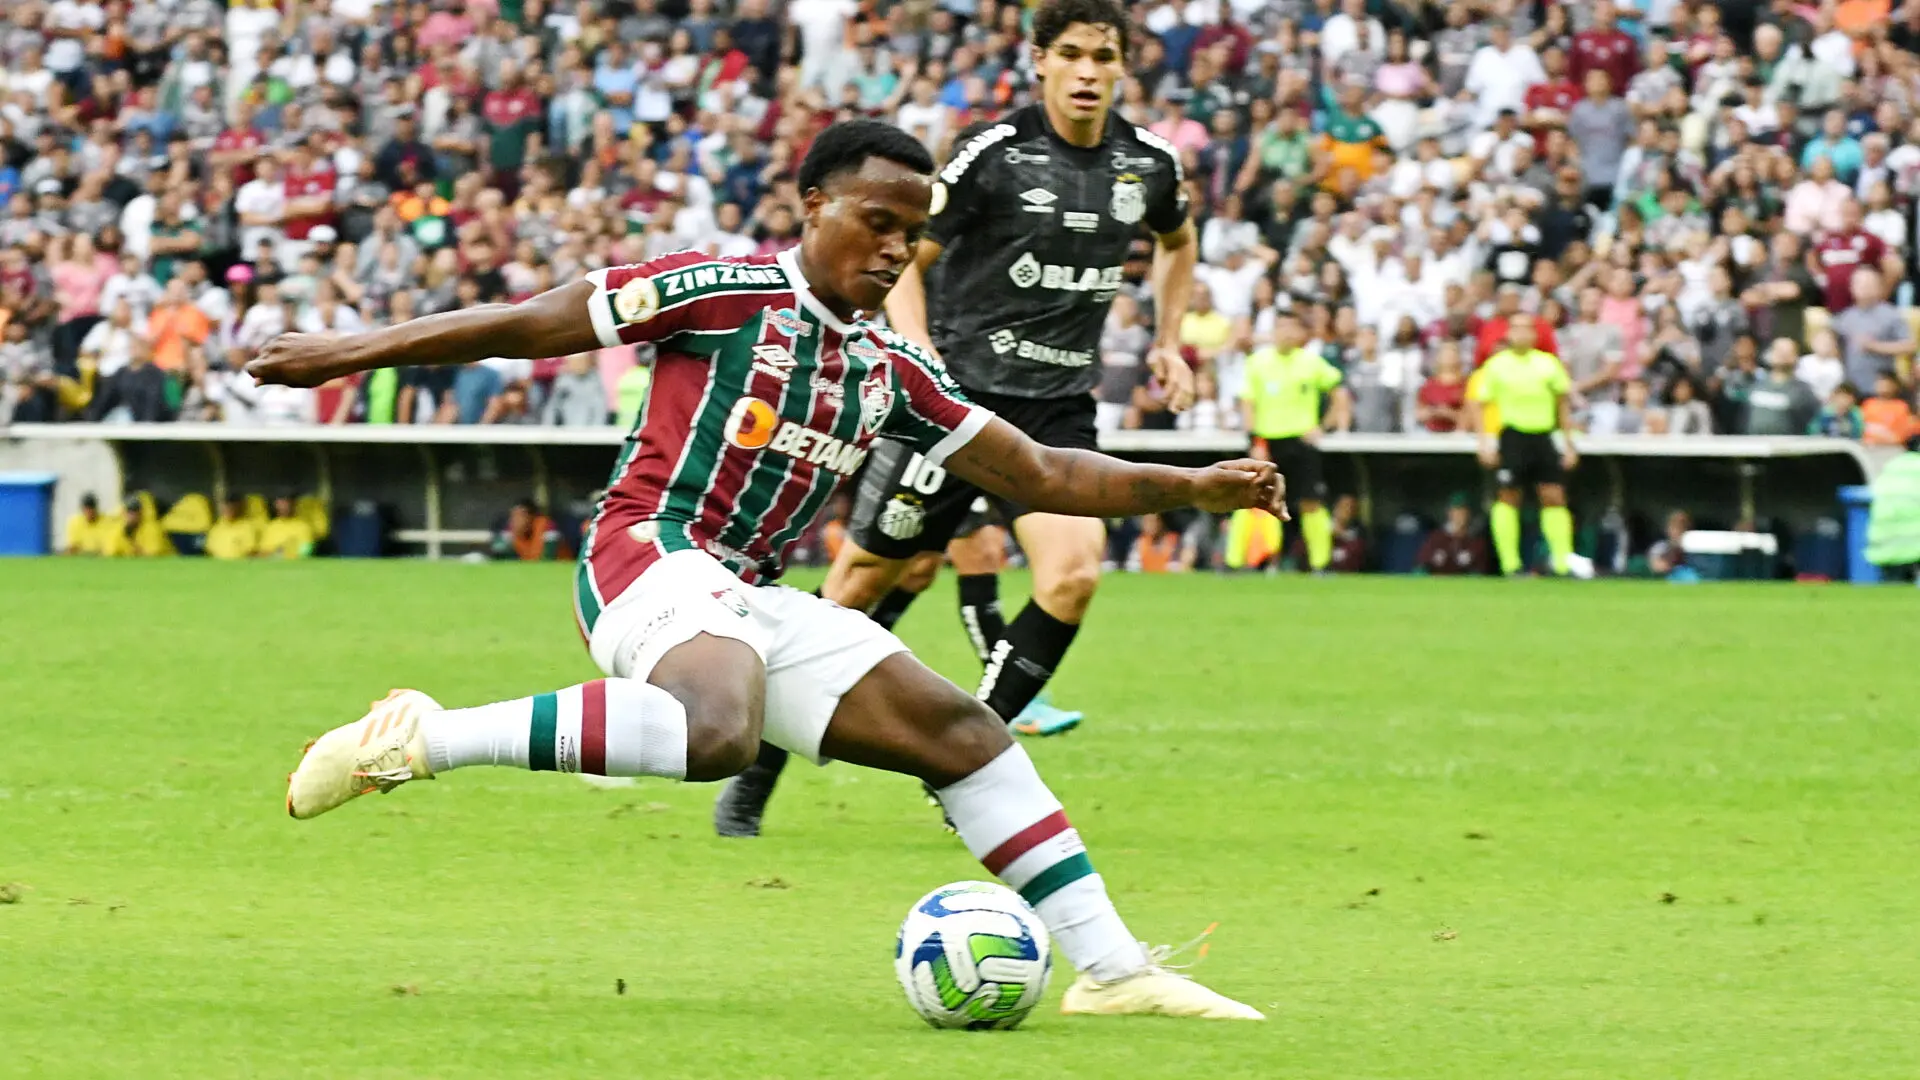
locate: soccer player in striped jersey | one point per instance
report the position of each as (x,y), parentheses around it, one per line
(769,389)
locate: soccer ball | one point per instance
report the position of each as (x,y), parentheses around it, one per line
(973,955)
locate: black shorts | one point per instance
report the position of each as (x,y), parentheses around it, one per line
(1528,459)
(905,506)
(1302,465)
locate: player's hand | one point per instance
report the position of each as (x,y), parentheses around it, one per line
(1176,378)
(1569,459)
(300,360)
(1241,485)
(1489,454)
(1312,436)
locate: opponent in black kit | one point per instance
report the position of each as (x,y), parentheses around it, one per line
(1032,218)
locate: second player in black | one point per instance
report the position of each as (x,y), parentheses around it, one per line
(1030,224)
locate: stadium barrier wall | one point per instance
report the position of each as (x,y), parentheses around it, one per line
(442,487)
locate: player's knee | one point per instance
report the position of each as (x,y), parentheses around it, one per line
(1510,496)
(1553,495)
(859,579)
(1311,506)
(966,736)
(920,573)
(1065,590)
(723,731)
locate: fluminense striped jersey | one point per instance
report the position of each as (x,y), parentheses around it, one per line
(762,402)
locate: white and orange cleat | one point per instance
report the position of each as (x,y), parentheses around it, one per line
(1160,990)
(378,752)
(1156,991)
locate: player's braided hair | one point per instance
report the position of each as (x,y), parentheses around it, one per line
(1054,16)
(846,146)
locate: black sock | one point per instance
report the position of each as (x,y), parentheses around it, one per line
(980,612)
(1023,660)
(771,758)
(892,606)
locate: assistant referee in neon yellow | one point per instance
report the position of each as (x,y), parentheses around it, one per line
(1287,390)
(1529,388)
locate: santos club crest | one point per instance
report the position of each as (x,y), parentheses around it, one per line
(876,399)
(1129,203)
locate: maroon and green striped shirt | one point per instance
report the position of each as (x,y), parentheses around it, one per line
(762,402)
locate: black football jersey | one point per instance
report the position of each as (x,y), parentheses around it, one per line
(1035,231)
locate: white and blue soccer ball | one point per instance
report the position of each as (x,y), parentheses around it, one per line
(973,955)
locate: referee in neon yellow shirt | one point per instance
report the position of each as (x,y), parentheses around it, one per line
(1529,388)
(1286,387)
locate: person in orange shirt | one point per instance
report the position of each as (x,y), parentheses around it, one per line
(531,536)
(1160,550)
(1888,416)
(1855,16)
(174,323)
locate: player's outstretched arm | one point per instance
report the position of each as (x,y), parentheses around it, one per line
(1083,483)
(555,323)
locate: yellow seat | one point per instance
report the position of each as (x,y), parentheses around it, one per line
(256,510)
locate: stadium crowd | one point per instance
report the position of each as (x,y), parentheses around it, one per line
(1707,206)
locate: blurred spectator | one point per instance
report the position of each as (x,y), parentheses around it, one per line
(28,387)
(233,535)
(1840,418)
(1349,540)
(87,531)
(1160,550)
(1780,404)
(286,535)
(530,536)
(136,533)
(1872,331)
(1669,552)
(1123,350)
(1822,369)
(1453,548)
(137,393)
(175,324)
(1442,404)
(1887,415)
(1686,413)
(577,397)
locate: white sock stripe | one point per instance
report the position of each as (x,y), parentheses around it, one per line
(1052,850)
(646,731)
(1000,799)
(566,730)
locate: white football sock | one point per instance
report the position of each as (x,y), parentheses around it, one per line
(1015,827)
(608,727)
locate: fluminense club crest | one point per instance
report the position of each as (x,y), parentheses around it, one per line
(876,398)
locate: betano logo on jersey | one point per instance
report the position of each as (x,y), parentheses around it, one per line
(1028,272)
(753,425)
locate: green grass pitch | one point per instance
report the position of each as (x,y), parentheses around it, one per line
(1449,829)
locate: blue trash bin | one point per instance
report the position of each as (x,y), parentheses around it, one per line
(26,513)
(1858,499)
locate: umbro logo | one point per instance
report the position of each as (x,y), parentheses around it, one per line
(1017,156)
(1038,200)
(773,360)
